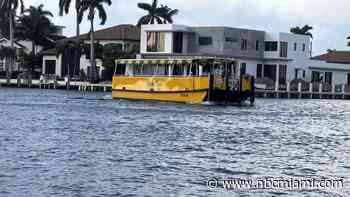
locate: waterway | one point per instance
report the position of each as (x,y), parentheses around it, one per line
(66,143)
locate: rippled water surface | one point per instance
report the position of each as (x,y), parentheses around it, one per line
(57,143)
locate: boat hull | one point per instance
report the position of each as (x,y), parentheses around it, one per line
(191,97)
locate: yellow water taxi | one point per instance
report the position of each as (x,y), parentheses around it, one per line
(193,81)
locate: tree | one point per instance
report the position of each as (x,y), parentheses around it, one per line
(302,31)
(36,26)
(111,52)
(64,6)
(168,14)
(4,25)
(348,38)
(91,6)
(155,13)
(8,9)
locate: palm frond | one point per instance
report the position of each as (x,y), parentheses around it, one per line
(102,14)
(144,6)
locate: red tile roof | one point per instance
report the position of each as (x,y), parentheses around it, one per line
(342,57)
(119,32)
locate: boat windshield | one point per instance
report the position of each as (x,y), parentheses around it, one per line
(162,70)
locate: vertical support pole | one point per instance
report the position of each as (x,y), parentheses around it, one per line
(299,89)
(288,89)
(311,90)
(277,77)
(320,90)
(343,91)
(333,91)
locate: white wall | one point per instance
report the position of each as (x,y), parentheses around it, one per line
(168,29)
(58,63)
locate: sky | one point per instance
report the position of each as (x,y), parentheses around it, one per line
(330,19)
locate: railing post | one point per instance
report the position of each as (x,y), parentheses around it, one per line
(333,91)
(343,91)
(320,90)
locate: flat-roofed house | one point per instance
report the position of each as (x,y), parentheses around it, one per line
(281,57)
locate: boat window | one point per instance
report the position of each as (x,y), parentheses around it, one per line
(148,70)
(120,69)
(138,69)
(206,70)
(161,70)
(194,70)
(179,70)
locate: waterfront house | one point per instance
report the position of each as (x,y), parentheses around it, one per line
(331,68)
(278,57)
(24,45)
(127,36)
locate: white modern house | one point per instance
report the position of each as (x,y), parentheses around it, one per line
(126,36)
(280,57)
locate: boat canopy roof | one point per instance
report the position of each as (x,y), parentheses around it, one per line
(175,61)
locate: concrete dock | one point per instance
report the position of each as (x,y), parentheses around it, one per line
(53,84)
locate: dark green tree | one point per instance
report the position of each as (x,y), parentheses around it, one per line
(8,9)
(70,50)
(36,26)
(155,13)
(302,30)
(168,14)
(91,7)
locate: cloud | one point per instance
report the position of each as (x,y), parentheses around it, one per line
(329,18)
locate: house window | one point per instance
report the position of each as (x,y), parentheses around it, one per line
(328,78)
(243,68)
(271,46)
(177,42)
(257,45)
(230,39)
(270,72)
(205,41)
(282,74)
(296,73)
(304,74)
(295,46)
(244,45)
(315,76)
(155,42)
(348,79)
(304,47)
(259,69)
(284,49)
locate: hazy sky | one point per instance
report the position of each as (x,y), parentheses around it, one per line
(330,19)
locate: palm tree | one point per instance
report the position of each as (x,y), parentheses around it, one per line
(64,8)
(4,25)
(9,8)
(35,25)
(168,14)
(155,13)
(91,6)
(302,31)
